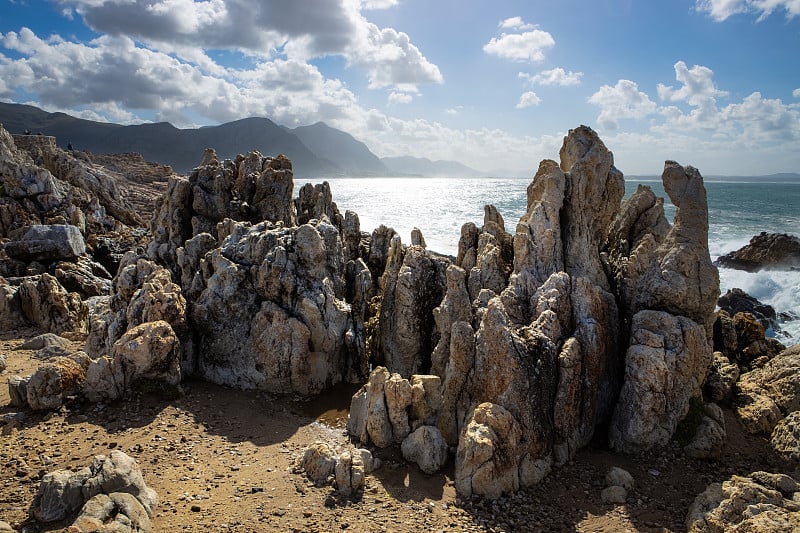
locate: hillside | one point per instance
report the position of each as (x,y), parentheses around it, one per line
(421,166)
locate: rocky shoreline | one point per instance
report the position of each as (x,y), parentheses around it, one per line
(593,324)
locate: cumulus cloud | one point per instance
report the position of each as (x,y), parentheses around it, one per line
(556,76)
(515,23)
(399,98)
(796,93)
(622,101)
(528,99)
(698,85)
(268,29)
(454,110)
(721,10)
(528,46)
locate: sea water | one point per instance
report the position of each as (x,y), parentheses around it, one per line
(737,210)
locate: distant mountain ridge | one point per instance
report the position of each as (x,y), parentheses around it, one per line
(422,166)
(317,150)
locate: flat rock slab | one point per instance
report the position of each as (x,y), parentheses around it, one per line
(46,243)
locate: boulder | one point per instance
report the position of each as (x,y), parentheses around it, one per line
(17,391)
(758,502)
(44,302)
(770,251)
(737,301)
(349,472)
(619,477)
(488,450)
(318,462)
(51,383)
(721,379)
(709,438)
(426,447)
(785,438)
(46,243)
(665,365)
(45,340)
(117,511)
(130,501)
(614,495)
(83,276)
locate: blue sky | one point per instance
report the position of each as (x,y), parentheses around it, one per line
(493,84)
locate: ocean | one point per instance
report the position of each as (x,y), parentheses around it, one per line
(738,210)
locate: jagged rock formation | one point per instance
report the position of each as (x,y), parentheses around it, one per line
(592,312)
(759,502)
(736,301)
(771,251)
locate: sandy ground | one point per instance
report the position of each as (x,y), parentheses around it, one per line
(226,460)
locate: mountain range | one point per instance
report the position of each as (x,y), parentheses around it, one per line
(315,150)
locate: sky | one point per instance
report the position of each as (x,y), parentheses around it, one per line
(494,84)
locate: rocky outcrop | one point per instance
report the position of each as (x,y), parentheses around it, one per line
(785,438)
(737,301)
(110,493)
(767,394)
(44,302)
(592,308)
(765,251)
(758,502)
(50,385)
(426,447)
(710,435)
(253,188)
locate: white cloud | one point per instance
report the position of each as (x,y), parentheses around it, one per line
(698,86)
(454,110)
(555,76)
(721,10)
(528,99)
(268,29)
(528,46)
(622,101)
(515,23)
(399,98)
(796,93)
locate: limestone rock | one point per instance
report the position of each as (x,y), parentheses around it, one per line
(426,447)
(413,285)
(664,367)
(397,392)
(129,500)
(767,394)
(316,202)
(52,382)
(709,439)
(772,251)
(349,472)
(426,398)
(785,437)
(83,276)
(318,462)
(46,243)
(18,391)
(487,453)
(44,302)
(117,511)
(533,471)
(44,340)
(752,503)
(721,378)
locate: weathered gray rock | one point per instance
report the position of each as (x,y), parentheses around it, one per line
(614,495)
(721,378)
(785,437)
(318,462)
(426,447)
(130,502)
(664,367)
(349,472)
(758,502)
(83,276)
(115,512)
(17,390)
(44,340)
(46,243)
(488,453)
(709,438)
(620,477)
(44,302)
(397,392)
